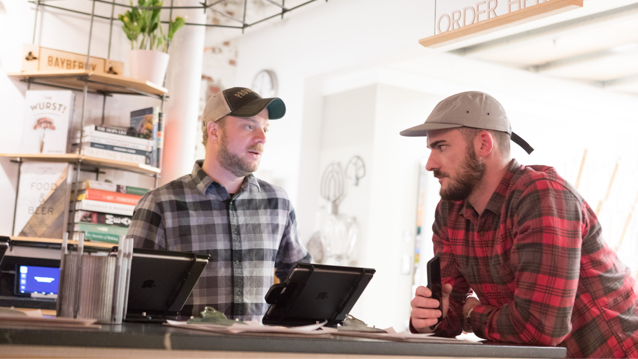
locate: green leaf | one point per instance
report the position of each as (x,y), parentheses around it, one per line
(145,20)
(173,26)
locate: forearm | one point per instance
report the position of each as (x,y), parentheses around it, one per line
(546,230)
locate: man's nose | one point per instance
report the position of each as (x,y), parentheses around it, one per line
(261,135)
(431,164)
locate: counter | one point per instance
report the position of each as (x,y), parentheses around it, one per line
(158,341)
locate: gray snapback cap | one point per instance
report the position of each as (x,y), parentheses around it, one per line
(468,109)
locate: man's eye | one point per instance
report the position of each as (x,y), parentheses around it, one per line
(266,130)
(442,147)
(250,127)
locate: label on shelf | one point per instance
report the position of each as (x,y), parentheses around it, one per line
(37,58)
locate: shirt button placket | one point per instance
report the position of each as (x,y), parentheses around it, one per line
(238,278)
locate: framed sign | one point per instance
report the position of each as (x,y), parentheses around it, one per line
(457,20)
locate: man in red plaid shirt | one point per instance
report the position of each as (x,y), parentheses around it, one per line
(522,240)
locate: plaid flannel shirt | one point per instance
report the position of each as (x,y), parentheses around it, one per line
(247,236)
(539,265)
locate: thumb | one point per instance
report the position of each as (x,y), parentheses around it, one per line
(446,290)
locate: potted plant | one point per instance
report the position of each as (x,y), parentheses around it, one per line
(148,59)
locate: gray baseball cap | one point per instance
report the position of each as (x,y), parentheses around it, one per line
(468,109)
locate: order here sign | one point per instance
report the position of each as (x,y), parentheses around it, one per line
(461,19)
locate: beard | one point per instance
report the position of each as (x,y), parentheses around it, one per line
(234,163)
(470,174)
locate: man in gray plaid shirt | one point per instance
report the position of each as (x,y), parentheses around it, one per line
(247,226)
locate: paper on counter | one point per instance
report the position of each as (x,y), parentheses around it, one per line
(53,323)
(34,313)
(392,335)
(251,327)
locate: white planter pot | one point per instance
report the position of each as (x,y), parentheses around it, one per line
(148,65)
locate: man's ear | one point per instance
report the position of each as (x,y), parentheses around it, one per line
(484,143)
(213,131)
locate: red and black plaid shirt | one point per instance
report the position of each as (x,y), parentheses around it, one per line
(537,260)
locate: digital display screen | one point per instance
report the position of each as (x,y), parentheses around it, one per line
(41,280)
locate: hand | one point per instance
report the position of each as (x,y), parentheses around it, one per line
(470,303)
(424,308)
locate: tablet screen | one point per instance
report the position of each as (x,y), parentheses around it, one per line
(38,280)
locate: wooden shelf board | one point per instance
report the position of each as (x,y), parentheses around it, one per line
(501,22)
(59,241)
(96,161)
(107,83)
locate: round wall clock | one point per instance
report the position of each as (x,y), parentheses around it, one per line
(265,83)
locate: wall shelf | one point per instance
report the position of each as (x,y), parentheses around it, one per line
(59,241)
(85,160)
(96,82)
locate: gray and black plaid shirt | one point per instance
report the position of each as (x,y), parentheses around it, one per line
(247,236)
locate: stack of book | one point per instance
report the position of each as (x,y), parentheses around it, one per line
(104,210)
(115,144)
(141,142)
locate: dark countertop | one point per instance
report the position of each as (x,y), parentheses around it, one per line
(157,336)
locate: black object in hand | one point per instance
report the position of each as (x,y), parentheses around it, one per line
(433,268)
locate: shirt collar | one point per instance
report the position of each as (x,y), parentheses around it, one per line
(495,204)
(203,181)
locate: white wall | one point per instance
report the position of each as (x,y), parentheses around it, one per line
(340,50)
(320,39)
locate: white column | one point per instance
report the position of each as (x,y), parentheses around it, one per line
(183,83)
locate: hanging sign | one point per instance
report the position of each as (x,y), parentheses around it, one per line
(457,20)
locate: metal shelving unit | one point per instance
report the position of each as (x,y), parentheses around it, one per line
(205,5)
(88,82)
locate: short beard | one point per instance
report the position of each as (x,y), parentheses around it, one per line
(233,163)
(471,173)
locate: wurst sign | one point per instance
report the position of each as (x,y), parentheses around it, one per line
(462,19)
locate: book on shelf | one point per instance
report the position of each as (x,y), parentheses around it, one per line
(160,139)
(98,237)
(106,141)
(100,228)
(42,204)
(102,218)
(117,134)
(47,122)
(108,186)
(145,121)
(108,196)
(105,207)
(147,155)
(113,155)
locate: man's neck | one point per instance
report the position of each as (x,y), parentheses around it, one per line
(221,175)
(483,191)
